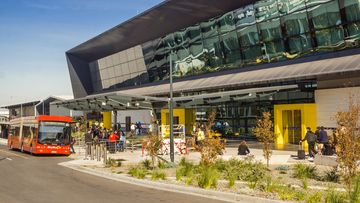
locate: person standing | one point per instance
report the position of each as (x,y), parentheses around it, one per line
(310,137)
(323,139)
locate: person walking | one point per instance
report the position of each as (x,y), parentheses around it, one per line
(73,141)
(310,137)
(200,136)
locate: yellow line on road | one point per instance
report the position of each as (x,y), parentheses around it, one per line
(17,155)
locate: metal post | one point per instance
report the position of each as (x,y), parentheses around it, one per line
(171,112)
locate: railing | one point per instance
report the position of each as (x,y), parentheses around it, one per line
(179,131)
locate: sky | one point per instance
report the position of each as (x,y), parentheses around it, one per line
(35,34)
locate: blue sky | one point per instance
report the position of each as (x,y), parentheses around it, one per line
(35,34)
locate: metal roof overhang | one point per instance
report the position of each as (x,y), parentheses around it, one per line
(167,17)
(121,101)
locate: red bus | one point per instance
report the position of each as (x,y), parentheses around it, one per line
(41,134)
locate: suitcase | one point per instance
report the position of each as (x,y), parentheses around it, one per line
(301,152)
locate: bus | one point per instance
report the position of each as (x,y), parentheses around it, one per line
(41,134)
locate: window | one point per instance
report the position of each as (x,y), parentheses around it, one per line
(299,45)
(296,23)
(270,30)
(209,29)
(248,36)
(325,15)
(330,39)
(274,50)
(226,23)
(265,10)
(245,16)
(290,6)
(252,55)
(231,48)
(213,54)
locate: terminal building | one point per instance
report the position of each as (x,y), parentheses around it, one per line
(298,59)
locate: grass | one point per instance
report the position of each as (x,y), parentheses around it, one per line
(302,171)
(112,163)
(185,170)
(158,175)
(138,172)
(208,177)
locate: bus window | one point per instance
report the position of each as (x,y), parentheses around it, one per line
(54,133)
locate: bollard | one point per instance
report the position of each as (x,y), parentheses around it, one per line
(92,152)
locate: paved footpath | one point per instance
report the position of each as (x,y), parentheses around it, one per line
(37,179)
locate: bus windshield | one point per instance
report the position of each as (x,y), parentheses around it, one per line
(54,133)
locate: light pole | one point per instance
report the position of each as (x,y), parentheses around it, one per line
(171,102)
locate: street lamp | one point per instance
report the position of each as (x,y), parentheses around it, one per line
(171,102)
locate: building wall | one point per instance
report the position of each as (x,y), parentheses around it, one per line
(143,116)
(125,68)
(61,111)
(330,101)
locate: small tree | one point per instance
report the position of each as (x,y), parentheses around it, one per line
(348,142)
(153,144)
(209,149)
(264,133)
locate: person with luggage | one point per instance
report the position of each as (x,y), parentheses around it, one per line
(310,137)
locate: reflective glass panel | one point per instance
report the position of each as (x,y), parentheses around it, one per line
(270,30)
(245,16)
(226,23)
(169,42)
(266,9)
(290,6)
(352,10)
(296,23)
(353,31)
(330,39)
(310,3)
(231,48)
(209,29)
(274,50)
(325,15)
(248,36)
(252,55)
(193,33)
(298,46)
(213,56)
(183,62)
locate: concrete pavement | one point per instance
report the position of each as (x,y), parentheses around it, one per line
(37,179)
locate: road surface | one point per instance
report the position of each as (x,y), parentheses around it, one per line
(37,179)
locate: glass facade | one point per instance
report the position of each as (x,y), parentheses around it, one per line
(264,32)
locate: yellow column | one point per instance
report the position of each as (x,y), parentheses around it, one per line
(107,120)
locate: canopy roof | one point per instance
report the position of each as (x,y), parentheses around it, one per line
(166,17)
(121,101)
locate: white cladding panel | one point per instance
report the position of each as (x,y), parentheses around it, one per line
(331,101)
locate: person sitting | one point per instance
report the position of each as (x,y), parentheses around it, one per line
(243,149)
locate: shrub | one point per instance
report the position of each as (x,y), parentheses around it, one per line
(112,163)
(355,192)
(302,171)
(265,134)
(333,196)
(185,169)
(209,150)
(156,175)
(332,176)
(253,172)
(146,164)
(286,192)
(164,165)
(314,198)
(138,172)
(220,165)
(153,144)
(208,177)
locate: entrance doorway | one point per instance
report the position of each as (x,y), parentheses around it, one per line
(291,120)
